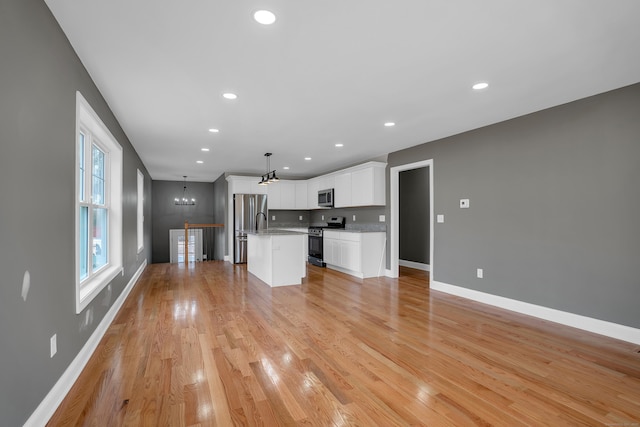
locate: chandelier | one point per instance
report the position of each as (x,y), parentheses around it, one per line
(185,200)
(270,176)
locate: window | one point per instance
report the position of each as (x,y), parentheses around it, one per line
(98,205)
(140,211)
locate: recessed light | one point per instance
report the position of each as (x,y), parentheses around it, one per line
(480,86)
(199,161)
(229,95)
(389,124)
(286,168)
(307,158)
(204,149)
(339,145)
(212,130)
(264,17)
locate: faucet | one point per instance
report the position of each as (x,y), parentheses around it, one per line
(257,215)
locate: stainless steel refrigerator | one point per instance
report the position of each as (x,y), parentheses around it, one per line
(249,213)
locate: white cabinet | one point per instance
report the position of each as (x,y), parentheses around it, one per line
(367,185)
(331,247)
(301,194)
(358,254)
(326,182)
(312,193)
(277,259)
(288,194)
(274,196)
(245,185)
(285,194)
(306,238)
(342,190)
(362,185)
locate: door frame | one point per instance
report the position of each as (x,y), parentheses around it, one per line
(394,237)
(177,234)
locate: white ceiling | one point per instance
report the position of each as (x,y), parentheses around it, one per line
(334,71)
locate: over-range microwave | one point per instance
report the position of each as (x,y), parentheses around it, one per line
(325,198)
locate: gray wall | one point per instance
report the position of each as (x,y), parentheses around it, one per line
(366,217)
(220,216)
(286,218)
(553,216)
(39,76)
(168,215)
(414,222)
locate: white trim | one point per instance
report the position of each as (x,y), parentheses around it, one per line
(412,264)
(602,327)
(89,121)
(357,274)
(140,210)
(394,235)
(56,395)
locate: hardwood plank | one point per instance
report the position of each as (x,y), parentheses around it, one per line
(212,345)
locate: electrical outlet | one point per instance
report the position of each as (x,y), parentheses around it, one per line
(440,218)
(354,218)
(273,217)
(323,217)
(54,345)
(300,217)
(480,273)
(381,218)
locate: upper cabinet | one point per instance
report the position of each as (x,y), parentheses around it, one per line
(301,194)
(274,196)
(362,185)
(287,195)
(288,190)
(342,190)
(326,182)
(313,185)
(245,185)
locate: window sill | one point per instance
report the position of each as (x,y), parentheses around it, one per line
(92,287)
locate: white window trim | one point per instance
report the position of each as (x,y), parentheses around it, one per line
(87,290)
(140,211)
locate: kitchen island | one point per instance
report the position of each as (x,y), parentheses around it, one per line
(276,256)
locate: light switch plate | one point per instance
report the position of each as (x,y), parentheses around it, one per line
(323,217)
(381,218)
(480,273)
(273,217)
(354,217)
(300,217)
(440,218)
(464,203)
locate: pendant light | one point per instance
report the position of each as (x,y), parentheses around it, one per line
(185,200)
(270,176)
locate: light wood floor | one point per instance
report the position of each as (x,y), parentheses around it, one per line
(212,345)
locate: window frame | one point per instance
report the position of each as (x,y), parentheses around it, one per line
(96,133)
(140,211)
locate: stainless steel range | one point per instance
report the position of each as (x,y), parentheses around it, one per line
(315,239)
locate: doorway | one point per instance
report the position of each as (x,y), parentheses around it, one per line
(395,213)
(193,250)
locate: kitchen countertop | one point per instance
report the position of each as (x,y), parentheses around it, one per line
(273,232)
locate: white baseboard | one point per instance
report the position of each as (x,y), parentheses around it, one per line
(602,327)
(52,400)
(413,264)
(346,271)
